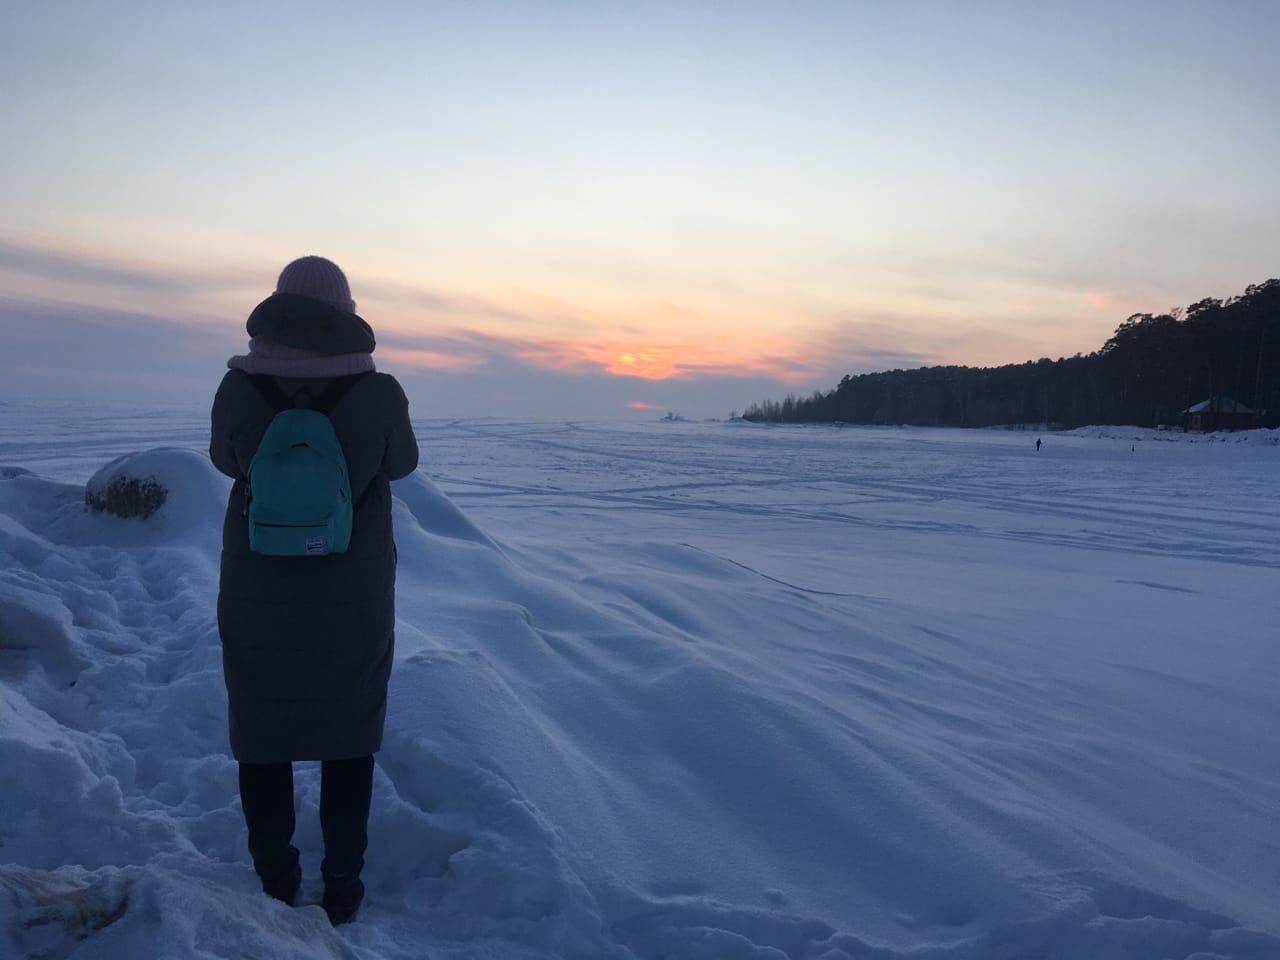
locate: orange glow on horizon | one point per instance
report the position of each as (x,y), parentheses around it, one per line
(460,351)
(656,341)
(658,362)
(648,363)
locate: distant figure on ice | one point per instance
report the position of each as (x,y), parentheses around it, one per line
(307,640)
(1037,444)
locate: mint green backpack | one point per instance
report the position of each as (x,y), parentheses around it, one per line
(299,493)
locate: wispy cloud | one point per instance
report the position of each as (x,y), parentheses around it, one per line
(431,359)
(526,336)
(69,269)
(75,350)
(463,350)
(410,305)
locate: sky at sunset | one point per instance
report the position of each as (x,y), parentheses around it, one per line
(607,209)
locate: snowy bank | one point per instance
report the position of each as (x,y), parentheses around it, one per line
(697,700)
(1252,437)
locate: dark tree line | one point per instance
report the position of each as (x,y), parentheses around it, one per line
(1150,371)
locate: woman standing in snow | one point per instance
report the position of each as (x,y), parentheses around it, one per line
(307,641)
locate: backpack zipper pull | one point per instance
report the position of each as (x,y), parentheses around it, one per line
(248,495)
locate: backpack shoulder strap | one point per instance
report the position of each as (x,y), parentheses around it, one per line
(333,394)
(266,385)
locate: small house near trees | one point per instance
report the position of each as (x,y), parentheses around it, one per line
(1219,413)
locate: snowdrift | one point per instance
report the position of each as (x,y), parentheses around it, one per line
(645,748)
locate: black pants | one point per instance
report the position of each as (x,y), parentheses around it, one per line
(346,787)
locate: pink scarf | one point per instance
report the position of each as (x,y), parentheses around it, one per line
(267,356)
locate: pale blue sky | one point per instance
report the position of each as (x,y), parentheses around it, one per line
(742,198)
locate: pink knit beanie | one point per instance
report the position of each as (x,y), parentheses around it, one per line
(319,279)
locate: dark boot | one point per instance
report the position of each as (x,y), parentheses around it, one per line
(284,886)
(342,899)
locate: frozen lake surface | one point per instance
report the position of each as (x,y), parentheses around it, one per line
(680,689)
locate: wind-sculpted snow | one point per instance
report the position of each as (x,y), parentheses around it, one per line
(684,690)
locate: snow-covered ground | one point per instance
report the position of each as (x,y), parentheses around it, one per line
(688,690)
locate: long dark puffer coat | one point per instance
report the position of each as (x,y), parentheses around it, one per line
(307,642)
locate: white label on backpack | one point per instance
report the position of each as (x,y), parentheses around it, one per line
(314,545)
